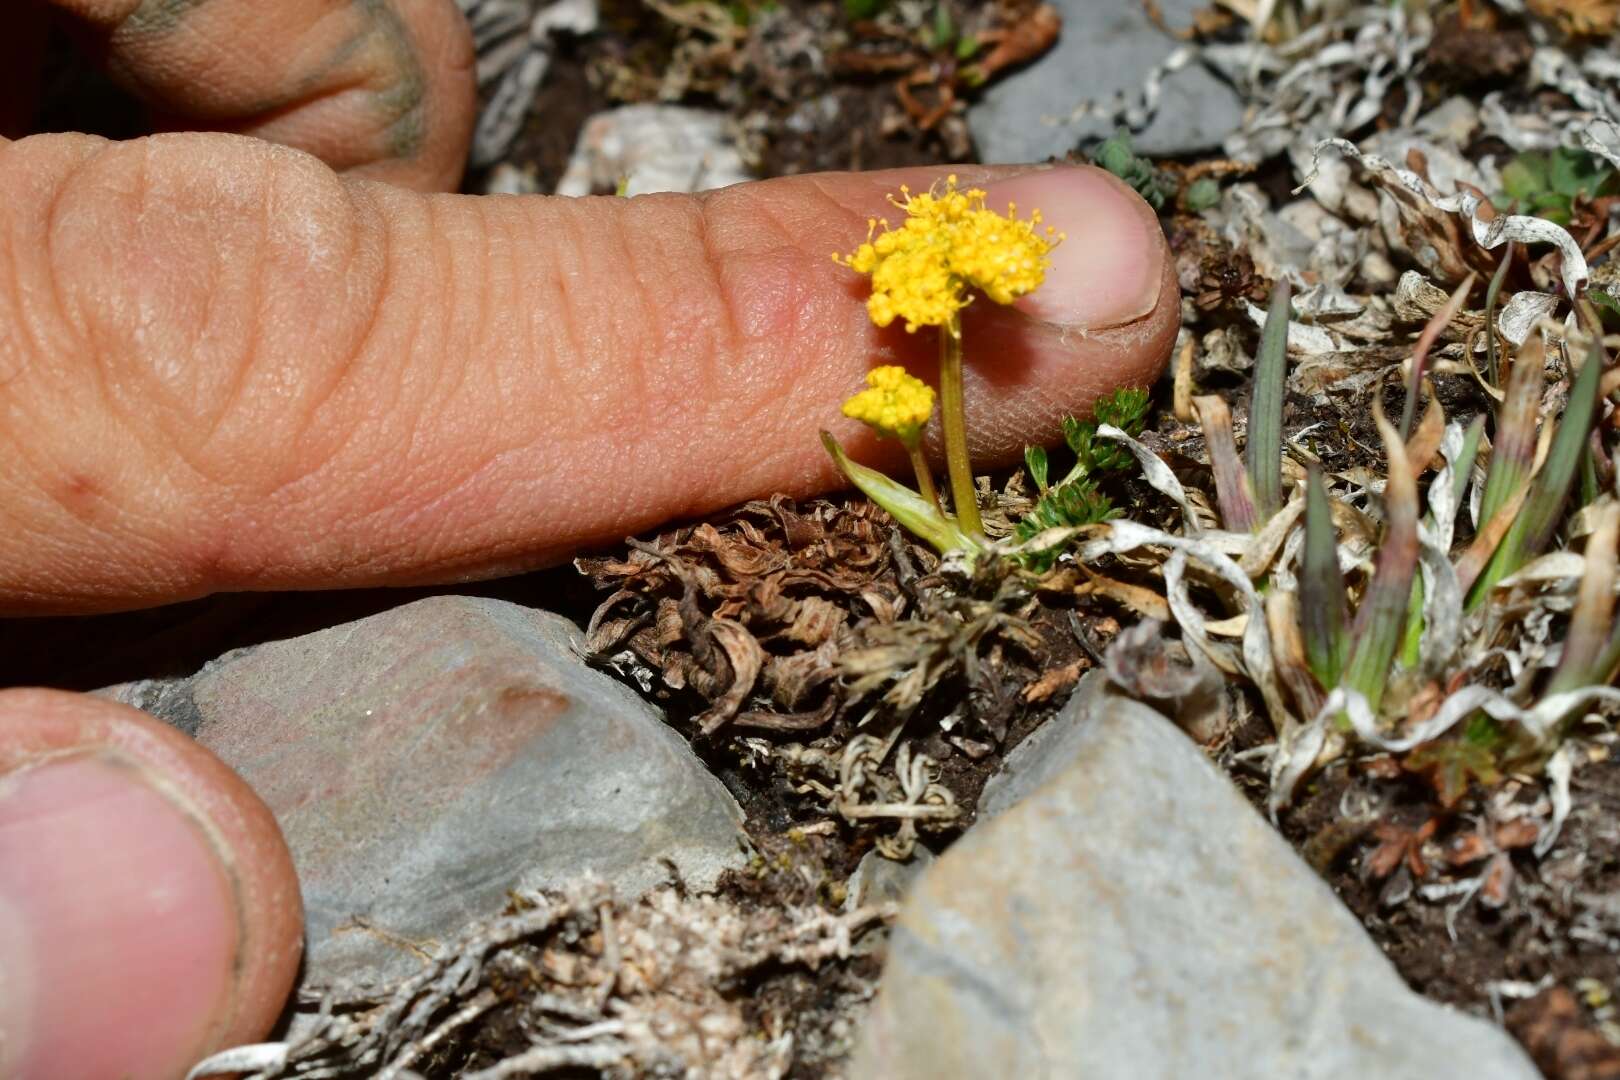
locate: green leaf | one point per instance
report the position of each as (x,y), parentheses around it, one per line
(1451,764)
(1531,531)
(1035,461)
(1324,611)
(1574,173)
(1604,300)
(1514,452)
(1463,470)
(1526,176)
(967,47)
(906,506)
(1076,434)
(1126,408)
(858,10)
(1202,194)
(1263,454)
(1117,156)
(944,31)
(1382,615)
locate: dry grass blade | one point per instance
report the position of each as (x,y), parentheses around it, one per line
(1592,622)
(1382,615)
(1232,489)
(1513,451)
(1282,620)
(1486,542)
(1420,354)
(1425,442)
(1264,448)
(1543,509)
(1326,617)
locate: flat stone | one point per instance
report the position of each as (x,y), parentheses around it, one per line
(654,148)
(1132,916)
(423,761)
(1105,49)
(881,880)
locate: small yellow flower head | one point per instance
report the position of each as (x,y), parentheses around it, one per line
(894,403)
(949,243)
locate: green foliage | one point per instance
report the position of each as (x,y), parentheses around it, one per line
(1077,499)
(1115,155)
(1548,184)
(1324,614)
(1202,194)
(1263,454)
(1539,518)
(1451,763)
(942,35)
(1606,303)
(857,10)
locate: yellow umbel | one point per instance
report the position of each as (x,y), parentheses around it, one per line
(949,244)
(894,403)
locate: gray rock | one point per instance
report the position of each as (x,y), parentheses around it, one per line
(654,148)
(1105,49)
(1133,917)
(881,880)
(423,761)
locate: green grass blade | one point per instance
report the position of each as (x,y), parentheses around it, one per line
(1382,617)
(1264,450)
(1464,470)
(1592,621)
(1513,453)
(1533,529)
(1324,616)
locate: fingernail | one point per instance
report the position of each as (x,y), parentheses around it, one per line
(1109,269)
(118,924)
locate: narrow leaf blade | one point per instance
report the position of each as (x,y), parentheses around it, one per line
(1513,453)
(1382,616)
(906,506)
(1231,482)
(1264,450)
(1539,519)
(1325,619)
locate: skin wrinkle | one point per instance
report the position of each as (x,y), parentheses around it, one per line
(630,384)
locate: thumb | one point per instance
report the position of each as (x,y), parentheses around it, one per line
(148,910)
(224,367)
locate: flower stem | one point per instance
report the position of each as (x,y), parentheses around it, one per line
(925,475)
(954,420)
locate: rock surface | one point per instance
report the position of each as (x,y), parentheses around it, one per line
(1131,916)
(1105,49)
(423,761)
(653,148)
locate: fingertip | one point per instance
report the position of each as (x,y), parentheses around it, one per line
(143,888)
(1109,269)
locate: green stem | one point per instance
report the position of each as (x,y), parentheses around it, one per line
(925,475)
(954,421)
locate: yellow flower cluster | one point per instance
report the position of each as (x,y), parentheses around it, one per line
(894,403)
(949,243)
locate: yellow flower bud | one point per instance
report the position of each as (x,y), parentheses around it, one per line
(894,404)
(948,244)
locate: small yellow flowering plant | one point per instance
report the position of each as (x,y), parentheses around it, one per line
(949,247)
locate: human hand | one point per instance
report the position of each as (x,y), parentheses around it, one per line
(225,365)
